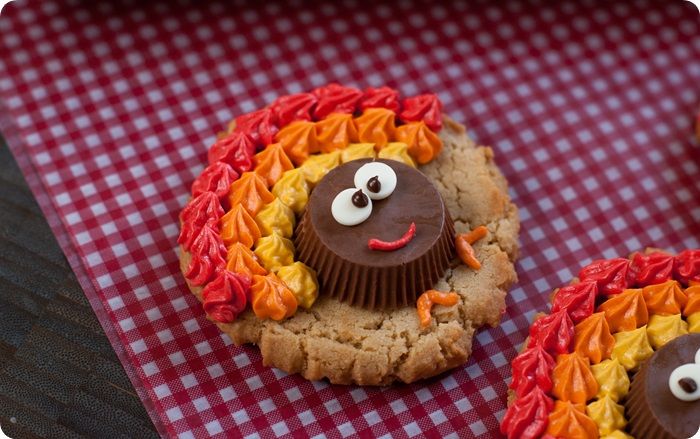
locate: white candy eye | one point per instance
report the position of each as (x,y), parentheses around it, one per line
(684,382)
(351,207)
(377,179)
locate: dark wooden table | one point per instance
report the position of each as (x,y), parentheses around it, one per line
(59,376)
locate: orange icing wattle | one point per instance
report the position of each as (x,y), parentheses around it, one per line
(423,144)
(626,311)
(433,297)
(593,339)
(693,304)
(569,420)
(463,245)
(336,132)
(251,192)
(298,140)
(238,226)
(271,298)
(573,379)
(241,260)
(271,163)
(376,125)
(665,299)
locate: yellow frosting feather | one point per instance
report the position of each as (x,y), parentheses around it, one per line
(276,217)
(301,279)
(662,329)
(612,379)
(292,190)
(396,151)
(356,151)
(274,251)
(317,166)
(617,434)
(694,322)
(632,348)
(608,414)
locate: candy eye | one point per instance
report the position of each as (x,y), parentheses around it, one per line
(376,179)
(684,382)
(351,207)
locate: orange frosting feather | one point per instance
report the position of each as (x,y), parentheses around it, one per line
(569,421)
(271,163)
(251,192)
(242,260)
(592,338)
(665,299)
(423,144)
(237,226)
(376,125)
(271,298)
(693,304)
(336,132)
(626,311)
(573,379)
(298,140)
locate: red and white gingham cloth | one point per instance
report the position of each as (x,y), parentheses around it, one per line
(110,109)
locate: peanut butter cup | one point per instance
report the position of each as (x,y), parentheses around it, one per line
(411,259)
(654,410)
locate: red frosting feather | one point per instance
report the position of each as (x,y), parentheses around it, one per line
(612,275)
(226,296)
(532,368)
(235,149)
(687,266)
(527,417)
(260,125)
(203,209)
(294,107)
(427,108)
(655,268)
(335,98)
(215,178)
(382,97)
(554,332)
(208,256)
(577,299)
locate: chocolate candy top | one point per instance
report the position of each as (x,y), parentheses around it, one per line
(347,268)
(415,199)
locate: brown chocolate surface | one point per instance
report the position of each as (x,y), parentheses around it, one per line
(348,269)
(652,409)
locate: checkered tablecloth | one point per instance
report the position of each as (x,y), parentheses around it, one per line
(110,108)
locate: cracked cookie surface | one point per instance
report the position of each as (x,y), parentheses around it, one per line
(349,345)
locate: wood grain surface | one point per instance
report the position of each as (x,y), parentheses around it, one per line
(59,376)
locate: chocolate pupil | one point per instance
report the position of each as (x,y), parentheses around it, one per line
(374,185)
(359,199)
(688,385)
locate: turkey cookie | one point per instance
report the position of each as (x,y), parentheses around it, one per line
(617,357)
(352,235)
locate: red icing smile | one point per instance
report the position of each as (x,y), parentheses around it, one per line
(376,244)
